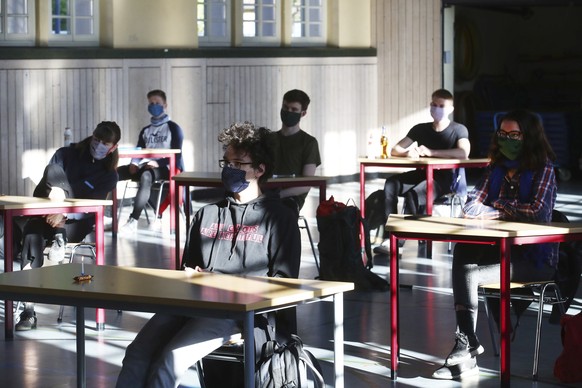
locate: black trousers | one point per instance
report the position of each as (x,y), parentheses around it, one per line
(146,178)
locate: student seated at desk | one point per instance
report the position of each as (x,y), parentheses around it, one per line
(441,138)
(297,152)
(247,233)
(519,185)
(81,170)
(160,133)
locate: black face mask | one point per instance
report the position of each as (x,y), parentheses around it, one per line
(290,119)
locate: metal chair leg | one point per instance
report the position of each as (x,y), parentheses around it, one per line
(306,226)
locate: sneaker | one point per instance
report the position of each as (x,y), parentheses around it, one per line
(26,322)
(463,350)
(57,250)
(463,370)
(383,249)
(130,226)
(107,224)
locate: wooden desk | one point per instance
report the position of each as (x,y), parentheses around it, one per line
(494,232)
(154,153)
(213,179)
(428,164)
(14,206)
(171,292)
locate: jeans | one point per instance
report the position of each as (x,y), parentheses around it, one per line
(168,345)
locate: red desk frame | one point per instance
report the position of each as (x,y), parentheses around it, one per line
(149,153)
(17,206)
(503,234)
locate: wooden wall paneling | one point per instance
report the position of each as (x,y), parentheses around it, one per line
(4,131)
(187,110)
(142,79)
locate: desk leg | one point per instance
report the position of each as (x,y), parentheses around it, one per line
(249,336)
(114,220)
(505,319)
(8,267)
(81,372)
(177,223)
(394,329)
(173,206)
(338,338)
(363,212)
(99,260)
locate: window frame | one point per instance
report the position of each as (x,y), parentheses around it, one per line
(310,40)
(17,39)
(210,40)
(260,40)
(74,39)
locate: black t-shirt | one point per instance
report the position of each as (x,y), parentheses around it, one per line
(425,135)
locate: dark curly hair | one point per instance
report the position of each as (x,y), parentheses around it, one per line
(255,142)
(536,149)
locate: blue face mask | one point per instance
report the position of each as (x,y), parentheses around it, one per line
(98,150)
(234,180)
(155,109)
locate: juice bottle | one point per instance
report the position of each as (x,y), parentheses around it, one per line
(384,144)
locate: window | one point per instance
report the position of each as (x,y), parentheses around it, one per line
(16,22)
(213,22)
(308,21)
(260,21)
(74,21)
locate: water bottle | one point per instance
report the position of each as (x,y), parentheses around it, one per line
(68,136)
(384,144)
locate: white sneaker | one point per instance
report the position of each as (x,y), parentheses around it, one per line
(57,250)
(130,227)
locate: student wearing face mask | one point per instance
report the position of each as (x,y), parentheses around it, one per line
(160,133)
(247,233)
(82,170)
(519,185)
(297,152)
(441,138)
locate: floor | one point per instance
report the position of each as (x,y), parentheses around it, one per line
(45,357)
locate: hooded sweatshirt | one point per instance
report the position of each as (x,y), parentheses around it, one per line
(258,238)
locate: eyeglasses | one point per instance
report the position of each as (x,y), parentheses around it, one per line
(513,135)
(233,164)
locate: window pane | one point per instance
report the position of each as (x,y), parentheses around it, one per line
(16,7)
(83,8)
(269,29)
(84,26)
(315,30)
(249,29)
(218,29)
(268,13)
(61,7)
(314,15)
(217,11)
(61,26)
(315,3)
(17,25)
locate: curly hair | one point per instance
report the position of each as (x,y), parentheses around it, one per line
(536,149)
(251,140)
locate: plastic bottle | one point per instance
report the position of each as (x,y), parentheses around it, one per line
(384,144)
(68,135)
(371,149)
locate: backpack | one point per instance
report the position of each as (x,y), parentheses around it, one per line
(340,249)
(286,366)
(375,207)
(567,366)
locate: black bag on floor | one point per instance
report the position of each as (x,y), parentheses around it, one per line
(376,209)
(340,251)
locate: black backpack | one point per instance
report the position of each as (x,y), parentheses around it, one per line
(340,249)
(375,208)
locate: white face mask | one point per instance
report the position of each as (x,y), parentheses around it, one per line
(438,113)
(98,150)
